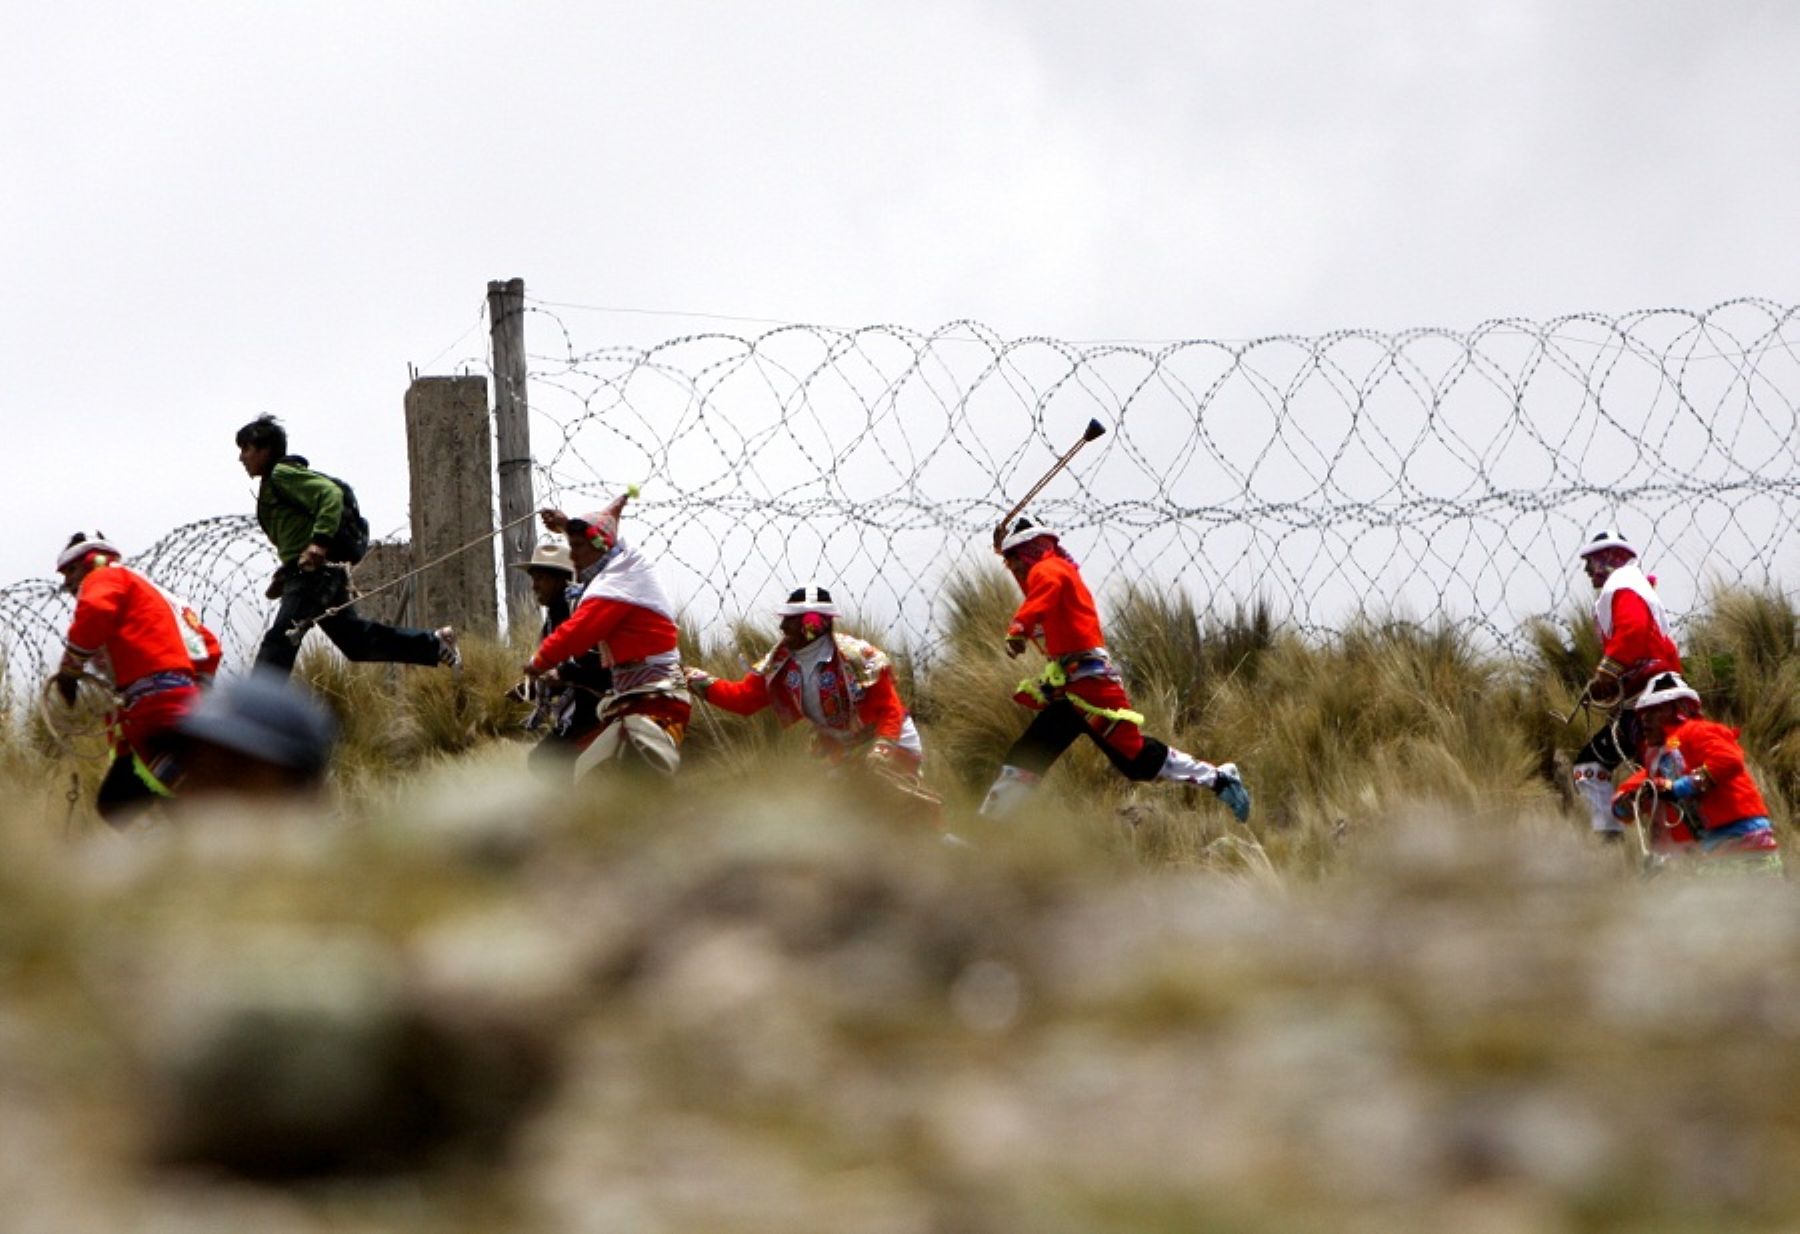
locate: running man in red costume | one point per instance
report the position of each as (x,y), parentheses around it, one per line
(1703,793)
(622,611)
(1635,645)
(156,652)
(1080,692)
(844,687)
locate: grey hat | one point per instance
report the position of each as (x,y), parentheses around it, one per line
(265,717)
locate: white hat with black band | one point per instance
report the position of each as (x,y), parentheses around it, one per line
(1604,539)
(1024,531)
(1665,688)
(808,600)
(80,545)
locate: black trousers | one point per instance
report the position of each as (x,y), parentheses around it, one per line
(1613,744)
(123,794)
(306,594)
(1055,728)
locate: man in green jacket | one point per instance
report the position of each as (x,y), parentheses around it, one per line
(302,512)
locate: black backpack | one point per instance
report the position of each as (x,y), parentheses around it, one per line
(350,542)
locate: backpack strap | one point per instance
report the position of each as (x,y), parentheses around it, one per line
(293,502)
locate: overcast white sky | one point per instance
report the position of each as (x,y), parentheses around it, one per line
(214,209)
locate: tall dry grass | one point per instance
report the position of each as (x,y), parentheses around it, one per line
(395,720)
(1331,733)
(1743,656)
(748,1000)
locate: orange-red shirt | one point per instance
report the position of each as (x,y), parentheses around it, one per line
(139,627)
(1698,744)
(1058,606)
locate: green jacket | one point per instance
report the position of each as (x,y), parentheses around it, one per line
(296,507)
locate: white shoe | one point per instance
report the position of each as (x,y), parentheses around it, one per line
(1008,792)
(449,654)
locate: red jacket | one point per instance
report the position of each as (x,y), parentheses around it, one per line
(141,628)
(1637,641)
(1710,751)
(1058,606)
(858,680)
(623,632)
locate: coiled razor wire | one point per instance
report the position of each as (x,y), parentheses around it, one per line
(219,565)
(1426,475)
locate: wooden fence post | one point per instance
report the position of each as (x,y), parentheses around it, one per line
(512,431)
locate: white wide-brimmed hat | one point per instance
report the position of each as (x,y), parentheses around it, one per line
(548,555)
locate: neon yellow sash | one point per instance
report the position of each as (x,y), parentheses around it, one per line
(1049,685)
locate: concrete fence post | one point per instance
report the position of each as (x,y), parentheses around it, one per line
(448,450)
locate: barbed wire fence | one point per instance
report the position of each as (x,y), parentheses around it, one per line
(1422,475)
(219,565)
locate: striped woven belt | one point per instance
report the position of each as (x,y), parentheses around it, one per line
(157,683)
(1089,662)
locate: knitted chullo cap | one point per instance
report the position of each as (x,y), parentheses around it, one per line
(601,528)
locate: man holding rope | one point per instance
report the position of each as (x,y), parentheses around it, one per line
(566,699)
(1635,646)
(157,653)
(317,537)
(622,612)
(844,687)
(1699,790)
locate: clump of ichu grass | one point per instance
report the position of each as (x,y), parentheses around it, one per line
(1743,656)
(718,741)
(1330,733)
(395,717)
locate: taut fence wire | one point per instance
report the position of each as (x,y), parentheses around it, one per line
(1426,475)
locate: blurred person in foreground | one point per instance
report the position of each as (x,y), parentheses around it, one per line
(1702,799)
(622,613)
(318,534)
(1635,645)
(842,686)
(1080,693)
(156,653)
(259,736)
(565,700)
